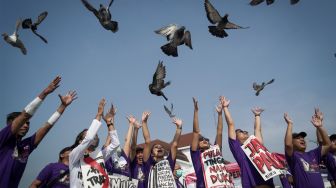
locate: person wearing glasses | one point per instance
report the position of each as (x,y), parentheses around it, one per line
(304,165)
(249,174)
(14,150)
(200,143)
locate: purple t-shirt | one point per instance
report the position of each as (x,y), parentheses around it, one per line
(14,156)
(250,177)
(137,172)
(151,162)
(330,162)
(284,181)
(196,160)
(55,175)
(305,168)
(179,184)
(125,170)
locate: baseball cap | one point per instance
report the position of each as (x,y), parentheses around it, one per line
(302,134)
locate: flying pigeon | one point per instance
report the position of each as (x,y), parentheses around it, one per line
(28,24)
(257,2)
(169,112)
(221,22)
(293,2)
(258,88)
(103,15)
(14,38)
(176,37)
(158,81)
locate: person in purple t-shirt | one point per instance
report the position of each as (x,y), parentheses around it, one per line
(304,165)
(55,175)
(199,143)
(249,174)
(155,154)
(14,150)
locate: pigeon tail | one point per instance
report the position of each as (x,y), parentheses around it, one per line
(269,2)
(114,26)
(217,32)
(293,2)
(169,49)
(256,2)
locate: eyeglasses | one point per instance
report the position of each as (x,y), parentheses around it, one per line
(241,131)
(203,139)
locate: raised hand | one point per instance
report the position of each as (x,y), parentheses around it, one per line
(316,121)
(101,107)
(137,125)
(109,116)
(131,119)
(177,122)
(257,111)
(52,86)
(195,104)
(319,114)
(68,98)
(225,102)
(288,119)
(145,116)
(219,108)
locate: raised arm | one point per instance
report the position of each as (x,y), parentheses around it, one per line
(257,123)
(317,121)
(196,129)
(288,136)
(231,128)
(146,135)
(136,128)
(173,149)
(30,109)
(219,135)
(109,120)
(127,147)
(65,102)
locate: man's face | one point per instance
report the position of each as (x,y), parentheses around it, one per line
(333,146)
(158,151)
(299,143)
(241,135)
(24,129)
(139,157)
(65,155)
(203,143)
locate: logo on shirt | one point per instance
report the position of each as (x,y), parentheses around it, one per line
(21,154)
(140,176)
(314,167)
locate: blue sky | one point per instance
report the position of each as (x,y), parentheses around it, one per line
(293,44)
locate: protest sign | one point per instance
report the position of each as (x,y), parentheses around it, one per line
(161,176)
(93,171)
(214,171)
(121,181)
(265,162)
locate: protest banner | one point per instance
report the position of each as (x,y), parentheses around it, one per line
(93,171)
(214,171)
(161,176)
(121,181)
(264,161)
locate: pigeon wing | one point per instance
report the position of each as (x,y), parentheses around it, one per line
(212,14)
(256,2)
(109,5)
(271,81)
(230,25)
(167,31)
(159,75)
(17,26)
(167,110)
(41,17)
(20,45)
(187,39)
(42,38)
(89,7)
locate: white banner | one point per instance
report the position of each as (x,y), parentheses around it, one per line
(161,176)
(265,162)
(121,181)
(214,171)
(93,170)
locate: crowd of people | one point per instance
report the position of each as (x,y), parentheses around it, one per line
(144,164)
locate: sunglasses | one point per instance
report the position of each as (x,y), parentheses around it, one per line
(203,139)
(241,131)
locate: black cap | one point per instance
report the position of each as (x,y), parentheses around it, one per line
(302,134)
(332,137)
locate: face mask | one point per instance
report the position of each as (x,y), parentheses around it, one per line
(179,173)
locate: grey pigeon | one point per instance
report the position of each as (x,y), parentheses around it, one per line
(258,88)
(293,2)
(28,24)
(257,2)
(221,22)
(169,112)
(103,15)
(158,81)
(176,37)
(14,38)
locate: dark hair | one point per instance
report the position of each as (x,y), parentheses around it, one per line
(79,138)
(63,151)
(12,116)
